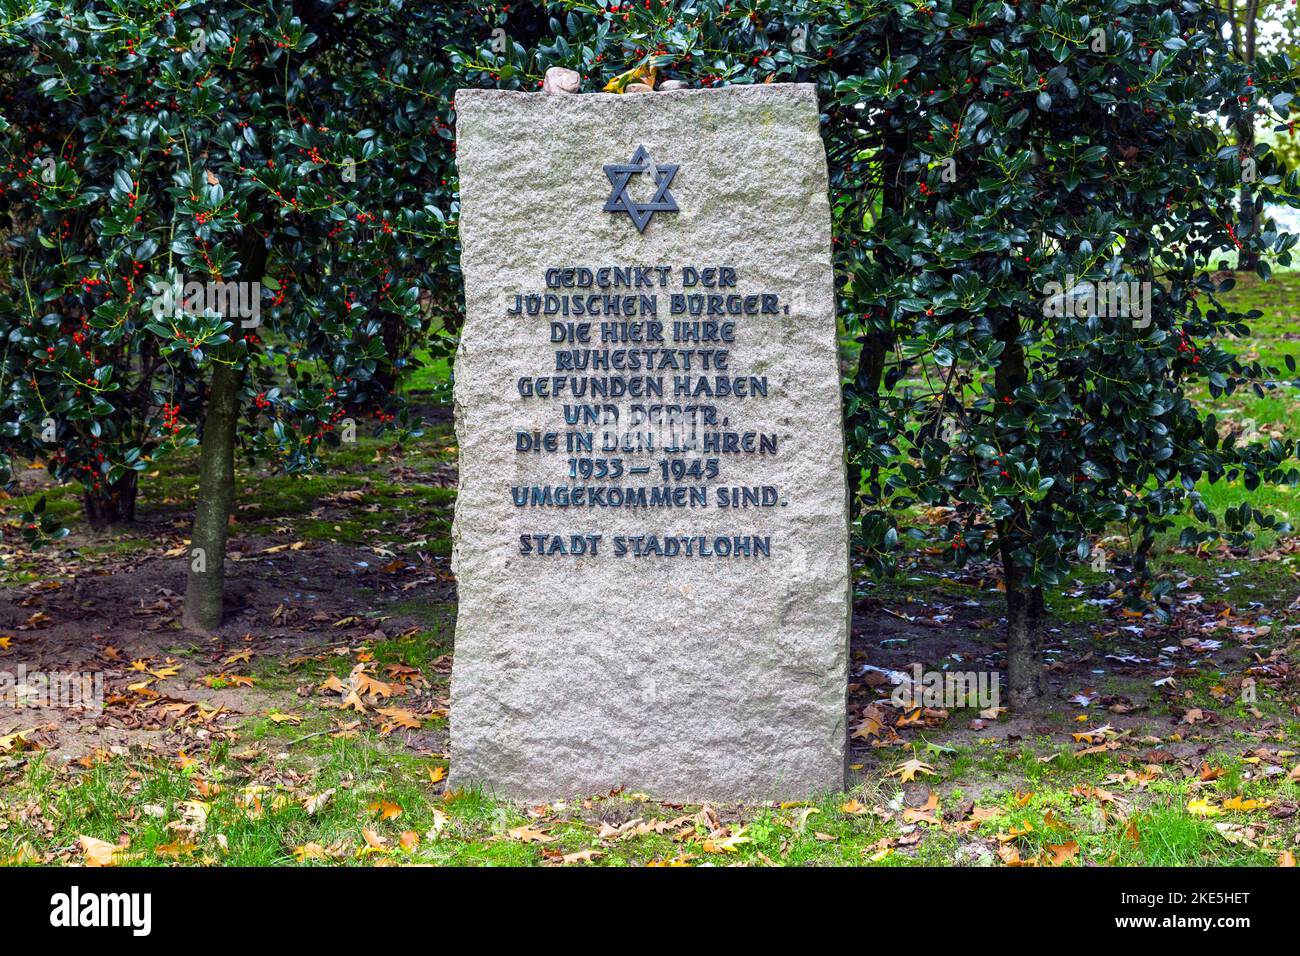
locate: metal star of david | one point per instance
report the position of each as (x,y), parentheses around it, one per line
(620,175)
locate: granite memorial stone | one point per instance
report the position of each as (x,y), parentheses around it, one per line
(651,533)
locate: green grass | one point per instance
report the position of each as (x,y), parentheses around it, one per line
(351,801)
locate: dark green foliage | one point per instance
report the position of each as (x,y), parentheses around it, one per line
(303,146)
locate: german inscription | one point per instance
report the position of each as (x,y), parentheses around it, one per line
(651,542)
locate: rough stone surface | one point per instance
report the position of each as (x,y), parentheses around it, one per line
(689,678)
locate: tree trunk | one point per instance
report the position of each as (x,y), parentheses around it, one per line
(207,553)
(391,331)
(1026,680)
(112,504)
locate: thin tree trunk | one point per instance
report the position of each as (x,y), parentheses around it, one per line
(391,331)
(1026,682)
(112,504)
(207,553)
(207,572)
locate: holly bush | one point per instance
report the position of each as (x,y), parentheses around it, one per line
(993,166)
(302,146)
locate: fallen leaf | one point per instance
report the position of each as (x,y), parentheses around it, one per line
(176,849)
(923,813)
(397,717)
(315,803)
(908,770)
(386,809)
(99,852)
(1243,804)
(727,844)
(309,851)
(526,834)
(1063,852)
(440,821)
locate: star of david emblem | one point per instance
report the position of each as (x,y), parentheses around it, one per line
(620,175)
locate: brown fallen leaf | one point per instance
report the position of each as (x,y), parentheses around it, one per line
(397,717)
(526,834)
(1062,852)
(17,742)
(374,842)
(310,851)
(99,852)
(873,722)
(1011,856)
(386,809)
(923,813)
